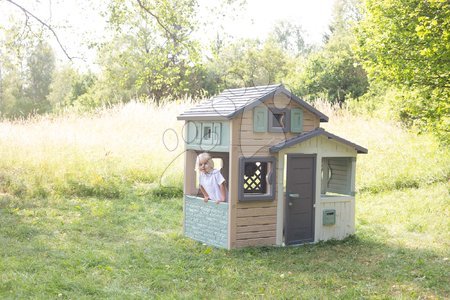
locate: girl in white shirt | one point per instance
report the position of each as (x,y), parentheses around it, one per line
(212,183)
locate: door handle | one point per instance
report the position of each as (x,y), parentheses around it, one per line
(290,204)
(294,195)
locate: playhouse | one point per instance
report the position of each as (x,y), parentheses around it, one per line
(289,181)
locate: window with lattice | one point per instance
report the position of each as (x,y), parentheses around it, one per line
(256,178)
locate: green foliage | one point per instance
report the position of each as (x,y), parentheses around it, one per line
(407,43)
(248,63)
(167,192)
(152,54)
(290,38)
(334,72)
(26,67)
(40,65)
(68,86)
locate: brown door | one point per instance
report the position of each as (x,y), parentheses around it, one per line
(300,190)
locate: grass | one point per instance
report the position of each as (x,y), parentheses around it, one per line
(82,217)
(133,248)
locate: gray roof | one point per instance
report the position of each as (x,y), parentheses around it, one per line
(232,102)
(316,132)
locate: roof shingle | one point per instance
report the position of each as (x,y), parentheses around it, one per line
(232,102)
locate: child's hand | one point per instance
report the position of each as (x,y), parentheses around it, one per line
(206,199)
(218,201)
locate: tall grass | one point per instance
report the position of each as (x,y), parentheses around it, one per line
(103,154)
(137,146)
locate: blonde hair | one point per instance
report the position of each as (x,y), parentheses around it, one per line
(207,157)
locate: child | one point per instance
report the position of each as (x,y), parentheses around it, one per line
(212,183)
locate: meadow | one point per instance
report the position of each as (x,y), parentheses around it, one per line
(91,207)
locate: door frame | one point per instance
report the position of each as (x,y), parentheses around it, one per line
(285,198)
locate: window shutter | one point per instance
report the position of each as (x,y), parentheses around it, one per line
(193,132)
(260,119)
(297,120)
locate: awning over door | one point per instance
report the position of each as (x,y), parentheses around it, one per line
(316,132)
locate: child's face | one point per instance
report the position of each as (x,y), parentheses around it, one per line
(203,166)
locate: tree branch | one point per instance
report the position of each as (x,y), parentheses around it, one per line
(158,20)
(29,14)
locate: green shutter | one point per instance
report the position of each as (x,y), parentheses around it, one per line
(193,132)
(297,120)
(260,119)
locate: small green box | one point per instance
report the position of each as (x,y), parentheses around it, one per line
(329,217)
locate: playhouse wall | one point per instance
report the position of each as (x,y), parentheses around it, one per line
(345,217)
(250,223)
(344,205)
(206,222)
(220,136)
(251,142)
(255,223)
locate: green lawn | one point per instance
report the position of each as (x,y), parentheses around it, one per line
(133,247)
(81,216)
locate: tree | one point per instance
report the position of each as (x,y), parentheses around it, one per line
(67,86)
(247,62)
(28,14)
(40,67)
(407,43)
(153,53)
(290,38)
(335,72)
(27,64)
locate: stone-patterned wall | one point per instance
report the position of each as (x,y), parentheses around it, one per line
(206,222)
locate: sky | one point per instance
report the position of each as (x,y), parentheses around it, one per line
(261,15)
(75,20)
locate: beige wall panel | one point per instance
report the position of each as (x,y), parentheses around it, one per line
(246,221)
(281,101)
(258,141)
(258,234)
(249,151)
(256,204)
(256,242)
(255,228)
(233,190)
(272,138)
(254,212)
(190,177)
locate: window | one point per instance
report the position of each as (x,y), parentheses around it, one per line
(256,178)
(279,120)
(337,175)
(221,162)
(218,164)
(207,133)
